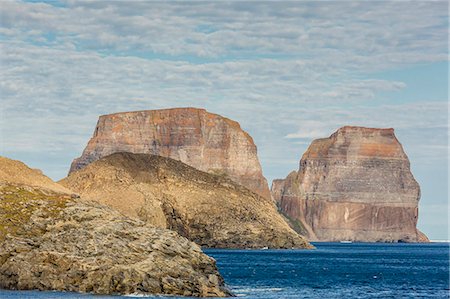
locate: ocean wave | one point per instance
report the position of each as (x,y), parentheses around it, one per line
(256,289)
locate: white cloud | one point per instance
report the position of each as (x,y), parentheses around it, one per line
(340,33)
(311,129)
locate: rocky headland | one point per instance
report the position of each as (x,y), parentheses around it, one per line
(52,240)
(355,185)
(203,140)
(209,209)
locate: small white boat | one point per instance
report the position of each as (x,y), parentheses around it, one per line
(346,242)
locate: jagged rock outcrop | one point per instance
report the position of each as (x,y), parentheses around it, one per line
(206,141)
(355,185)
(211,210)
(51,240)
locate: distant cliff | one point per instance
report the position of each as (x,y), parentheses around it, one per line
(206,141)
(52,240)
(355,185)
(211,210)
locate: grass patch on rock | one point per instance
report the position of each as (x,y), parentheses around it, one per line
(19,203)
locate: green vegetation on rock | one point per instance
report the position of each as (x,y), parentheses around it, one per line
(19,203)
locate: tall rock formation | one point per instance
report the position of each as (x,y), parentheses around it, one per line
(211,210)
(51,240)
(354,185)
(206,141)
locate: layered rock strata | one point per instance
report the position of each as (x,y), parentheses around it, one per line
(206,141)
(211,210)
(51,240)
(355,185)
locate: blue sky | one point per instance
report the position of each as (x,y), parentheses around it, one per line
(289,72)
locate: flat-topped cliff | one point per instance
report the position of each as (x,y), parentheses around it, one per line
(203,140)
(354,185)
(209,209)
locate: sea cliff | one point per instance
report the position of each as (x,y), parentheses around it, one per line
(203,140)
(354,185)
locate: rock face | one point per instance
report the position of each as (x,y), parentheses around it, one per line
(277,189)
(355,185)
(51,241)
(206,141)
(211,210)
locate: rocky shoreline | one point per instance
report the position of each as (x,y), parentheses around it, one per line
(55,241)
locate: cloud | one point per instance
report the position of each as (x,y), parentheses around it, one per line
(289,72)
(311,129)
(351,34)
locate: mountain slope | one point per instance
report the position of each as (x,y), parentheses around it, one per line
(210,210)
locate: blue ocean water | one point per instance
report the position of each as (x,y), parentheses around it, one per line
(333,270)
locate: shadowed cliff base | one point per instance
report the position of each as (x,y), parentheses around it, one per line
(211,210)
(52,240)
(355,185)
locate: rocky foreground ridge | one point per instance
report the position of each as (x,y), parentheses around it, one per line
(354,185)
(211,210)
(206,141)
(52,240)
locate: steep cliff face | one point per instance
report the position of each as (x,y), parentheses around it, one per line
(211,210)
(277,189)
(206,141)
(51,240)
(355,185)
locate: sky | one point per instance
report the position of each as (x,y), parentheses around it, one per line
(288,72)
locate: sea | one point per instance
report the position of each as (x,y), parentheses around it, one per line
(332,270)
